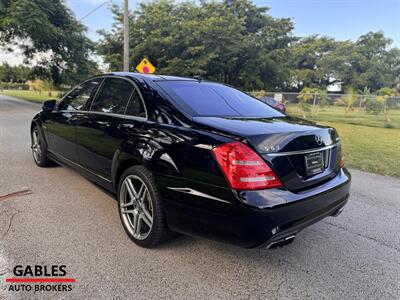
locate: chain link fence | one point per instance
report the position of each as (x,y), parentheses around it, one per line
(393,102)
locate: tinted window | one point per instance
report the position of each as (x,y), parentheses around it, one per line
(113,96)
(135,106)
(212,99)
(78,97)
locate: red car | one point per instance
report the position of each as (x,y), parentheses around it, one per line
(274,103)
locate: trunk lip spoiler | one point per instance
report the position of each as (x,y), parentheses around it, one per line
(301,151)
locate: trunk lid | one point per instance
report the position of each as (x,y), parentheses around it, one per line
(302,153)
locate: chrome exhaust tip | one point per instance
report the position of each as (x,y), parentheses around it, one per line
(338,212)
(282,242)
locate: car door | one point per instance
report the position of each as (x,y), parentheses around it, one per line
(116,113)
(60,124)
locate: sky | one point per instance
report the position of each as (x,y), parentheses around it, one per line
(340,19)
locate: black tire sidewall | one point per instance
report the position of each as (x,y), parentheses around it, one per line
(43,158)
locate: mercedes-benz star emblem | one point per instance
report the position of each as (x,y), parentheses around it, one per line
(318,139)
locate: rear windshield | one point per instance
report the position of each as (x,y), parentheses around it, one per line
(207,99)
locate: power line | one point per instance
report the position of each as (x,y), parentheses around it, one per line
(93,10)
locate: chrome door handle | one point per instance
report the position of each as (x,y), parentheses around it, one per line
(125,126)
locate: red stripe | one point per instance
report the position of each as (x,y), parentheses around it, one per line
(33,279)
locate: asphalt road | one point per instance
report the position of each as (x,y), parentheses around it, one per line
(68,220)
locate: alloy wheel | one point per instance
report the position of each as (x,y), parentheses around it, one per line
(36,147)
(136,207)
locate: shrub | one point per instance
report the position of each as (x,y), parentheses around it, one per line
(339,102)
(348,100)
(258,94)
(13,86)
(318,97)
(306,107)
(36,85)
(373,106)
(384,94)
(389,125)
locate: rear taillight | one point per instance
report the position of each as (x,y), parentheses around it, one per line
(243,168)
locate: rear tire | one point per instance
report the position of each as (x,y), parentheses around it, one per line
(39,149)
(141,208)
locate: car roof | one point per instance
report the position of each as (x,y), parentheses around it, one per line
(152,77)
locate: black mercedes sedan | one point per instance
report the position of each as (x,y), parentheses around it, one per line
(194,157)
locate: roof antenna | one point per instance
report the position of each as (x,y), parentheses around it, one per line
(198,78)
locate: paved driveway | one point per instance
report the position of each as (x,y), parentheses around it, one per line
(68,220)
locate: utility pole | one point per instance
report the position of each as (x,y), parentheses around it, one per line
(126,36)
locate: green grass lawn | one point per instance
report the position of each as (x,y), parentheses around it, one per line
(358,117)
(366,143)
(370,149)
(31,95)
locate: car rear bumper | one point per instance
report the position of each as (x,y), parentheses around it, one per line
(285,231)
(262,218)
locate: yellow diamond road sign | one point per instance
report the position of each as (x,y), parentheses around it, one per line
(145,67)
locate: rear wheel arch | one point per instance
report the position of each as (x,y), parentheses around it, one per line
(121,167)
(33,124)
(130,154)
(37,124)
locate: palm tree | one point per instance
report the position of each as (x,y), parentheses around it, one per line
(322,96)
(383,95)
(365,96)
(306,95)
(348,100)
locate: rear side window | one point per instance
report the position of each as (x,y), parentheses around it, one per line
(78,97)
(135,106)
(212,99)
(113,96)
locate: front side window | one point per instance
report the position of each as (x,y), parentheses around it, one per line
(113,96)
(78,97)
(212,99)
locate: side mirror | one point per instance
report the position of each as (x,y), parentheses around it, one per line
(49,105)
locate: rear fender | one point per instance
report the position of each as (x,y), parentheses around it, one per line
(141,152)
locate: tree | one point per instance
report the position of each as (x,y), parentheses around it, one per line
(232,41)
(365,96)
(18,74)
(46,26)
(368,62)
(6,73)
(348,100)
(236,42)
(322,100)
(372,63)
(383,95)
(312,62)
(307,94)
(373,105)
(37,85)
